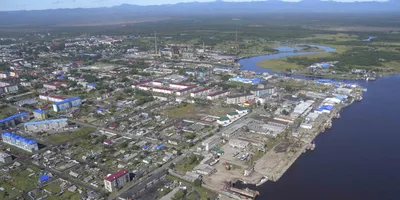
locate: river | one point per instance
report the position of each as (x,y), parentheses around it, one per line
(251,62)
(357,159)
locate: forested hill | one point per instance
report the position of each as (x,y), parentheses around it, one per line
(132,13)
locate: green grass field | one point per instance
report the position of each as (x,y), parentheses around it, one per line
(63,137)
(279,65)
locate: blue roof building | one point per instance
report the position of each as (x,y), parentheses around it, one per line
(44,178)
(14,119)
(20,142)
(67,103)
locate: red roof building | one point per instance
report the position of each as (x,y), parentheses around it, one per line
(116,180)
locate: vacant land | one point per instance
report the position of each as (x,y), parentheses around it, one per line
(196,111)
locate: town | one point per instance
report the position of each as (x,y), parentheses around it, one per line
(137,117)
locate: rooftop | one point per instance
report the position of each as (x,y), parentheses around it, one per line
(116,175)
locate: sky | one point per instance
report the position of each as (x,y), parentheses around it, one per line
(7,5)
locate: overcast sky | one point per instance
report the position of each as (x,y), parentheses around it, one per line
(6,5)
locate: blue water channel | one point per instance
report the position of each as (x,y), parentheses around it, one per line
(358,158)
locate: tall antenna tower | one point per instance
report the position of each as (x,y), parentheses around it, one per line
(204,50)
(155,42)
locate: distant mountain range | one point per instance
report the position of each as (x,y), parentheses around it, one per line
(133,13)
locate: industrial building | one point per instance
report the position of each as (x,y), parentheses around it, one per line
(40,114)
(302,107)
(211,142)
(46,125)
(117,180)
(235,143)
(223,69)
(67,103)
(20,142)
(14,120)
(253,81)
(239,98)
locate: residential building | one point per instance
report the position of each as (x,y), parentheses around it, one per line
(201,92)
(239,98)
(217,95)
(20,142)
(40,114)
(258,92)
(186,90)
(14,120)
(67,103)
(46,125)
(51,98)
(163,90)
(55,85)
(116,180)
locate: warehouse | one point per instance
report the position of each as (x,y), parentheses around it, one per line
(302,107)
(240,144)
(46,125)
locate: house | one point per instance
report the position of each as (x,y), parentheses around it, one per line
(116,180)
(242,111)
(223,120)
(91,86)
(40,114)
(5,157)
(200,92)
(233,115)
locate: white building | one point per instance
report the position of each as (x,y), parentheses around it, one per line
(116,180)
(235,143)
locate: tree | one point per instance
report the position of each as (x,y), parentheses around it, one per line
(179,195)
(197,183)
